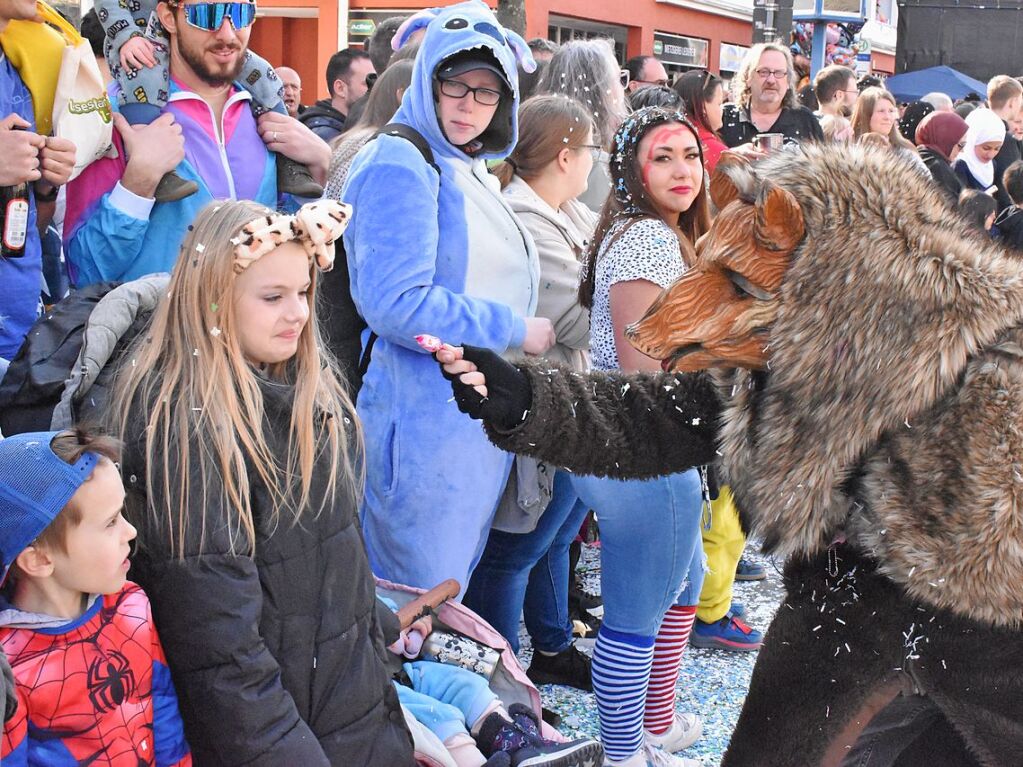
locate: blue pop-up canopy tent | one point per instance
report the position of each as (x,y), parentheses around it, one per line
(912,85)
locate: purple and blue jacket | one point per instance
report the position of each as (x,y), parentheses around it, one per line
(112,234)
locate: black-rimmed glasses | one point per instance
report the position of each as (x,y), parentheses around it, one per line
(456,89)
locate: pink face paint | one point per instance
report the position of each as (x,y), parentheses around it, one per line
(660,138)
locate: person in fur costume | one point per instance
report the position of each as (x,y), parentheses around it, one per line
(867,413)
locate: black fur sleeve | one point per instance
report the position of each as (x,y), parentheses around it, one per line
(615,425)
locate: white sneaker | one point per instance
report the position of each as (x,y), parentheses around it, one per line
(685,730)
(649,756)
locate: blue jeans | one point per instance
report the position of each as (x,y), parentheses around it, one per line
(528,573)
(651,555)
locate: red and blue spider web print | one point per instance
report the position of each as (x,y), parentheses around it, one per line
(96,691)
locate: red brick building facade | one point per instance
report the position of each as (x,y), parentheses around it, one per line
(684,34)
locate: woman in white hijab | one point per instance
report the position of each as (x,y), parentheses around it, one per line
(983,139)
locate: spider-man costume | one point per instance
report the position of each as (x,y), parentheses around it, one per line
(94,691)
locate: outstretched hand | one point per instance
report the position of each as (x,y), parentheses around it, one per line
(486,387)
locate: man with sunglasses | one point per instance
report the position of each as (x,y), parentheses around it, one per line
(765,101)
(207,132)
(350,74)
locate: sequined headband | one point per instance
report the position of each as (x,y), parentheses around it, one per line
(316,226)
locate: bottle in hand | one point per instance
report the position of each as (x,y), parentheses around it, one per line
(14,207)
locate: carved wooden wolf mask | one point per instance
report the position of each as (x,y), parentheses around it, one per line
(719,313)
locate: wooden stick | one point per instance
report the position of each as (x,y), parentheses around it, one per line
(425,604)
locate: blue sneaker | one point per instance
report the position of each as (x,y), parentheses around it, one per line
(737,609)
(748,570)
(729,633)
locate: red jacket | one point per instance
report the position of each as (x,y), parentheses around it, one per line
(712,148)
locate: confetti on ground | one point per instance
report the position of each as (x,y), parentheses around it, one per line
(712,684)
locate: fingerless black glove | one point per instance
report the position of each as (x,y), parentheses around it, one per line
(509,395)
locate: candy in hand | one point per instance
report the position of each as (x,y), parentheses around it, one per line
(432,344)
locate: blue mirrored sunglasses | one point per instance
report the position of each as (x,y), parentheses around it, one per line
(210,16)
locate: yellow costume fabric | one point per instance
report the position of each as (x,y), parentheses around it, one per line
(36,51)
(723,544)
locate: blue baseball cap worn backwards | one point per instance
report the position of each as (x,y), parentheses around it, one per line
(35,485)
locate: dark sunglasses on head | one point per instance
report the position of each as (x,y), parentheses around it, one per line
(210,16)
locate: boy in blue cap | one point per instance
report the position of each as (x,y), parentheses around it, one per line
(92,682)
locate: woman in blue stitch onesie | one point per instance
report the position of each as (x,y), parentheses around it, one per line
(437,250)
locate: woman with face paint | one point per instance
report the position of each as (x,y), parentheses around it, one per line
(651,557)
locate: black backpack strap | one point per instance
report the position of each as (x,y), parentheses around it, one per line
(364,359)
(414,137)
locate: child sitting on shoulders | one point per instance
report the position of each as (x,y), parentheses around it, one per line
(92,683)
(138,55)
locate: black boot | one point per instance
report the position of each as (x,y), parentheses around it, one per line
(569,667)
(173,188)
(295,179)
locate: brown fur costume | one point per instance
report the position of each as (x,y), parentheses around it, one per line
(890,417)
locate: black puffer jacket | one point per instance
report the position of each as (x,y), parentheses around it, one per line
(942,174)
(277,659)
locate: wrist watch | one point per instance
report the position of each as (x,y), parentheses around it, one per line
(49,196)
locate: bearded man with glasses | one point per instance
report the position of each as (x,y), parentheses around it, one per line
(764,100)
(206,132)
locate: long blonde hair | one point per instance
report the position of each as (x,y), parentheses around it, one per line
(202,407)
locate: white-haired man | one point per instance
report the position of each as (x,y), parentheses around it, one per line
(941,102)
(765,101)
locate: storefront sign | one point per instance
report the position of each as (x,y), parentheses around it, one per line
(731,57)
(363,27)
(682,51)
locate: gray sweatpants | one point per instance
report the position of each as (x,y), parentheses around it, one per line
(151,85)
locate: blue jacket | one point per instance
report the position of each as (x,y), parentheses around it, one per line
(442,255)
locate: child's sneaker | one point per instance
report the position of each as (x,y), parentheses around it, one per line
(295,179)
(649,756)
(685,730)
(737,609)
(729,633)
(173,188)
(522,740)
(748,570)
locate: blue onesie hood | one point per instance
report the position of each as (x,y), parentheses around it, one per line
(467,26)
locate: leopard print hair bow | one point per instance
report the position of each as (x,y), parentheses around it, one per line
(316,226)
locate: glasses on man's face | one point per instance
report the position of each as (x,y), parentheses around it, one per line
(777,74)
(662,82)
(456,89)
(624,77)
(209,17)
